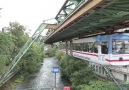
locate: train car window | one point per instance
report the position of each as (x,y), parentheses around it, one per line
(104,47)
(120,46)
(94,47)
(90,45)
(77,46)
(86,47)
(82,46)
(74,46)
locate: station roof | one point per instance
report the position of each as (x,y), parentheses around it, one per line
(91,16)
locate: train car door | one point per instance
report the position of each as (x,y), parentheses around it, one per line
(104,50)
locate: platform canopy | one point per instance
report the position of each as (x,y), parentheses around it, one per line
(89,17)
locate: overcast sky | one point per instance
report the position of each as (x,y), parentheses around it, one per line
(30,13)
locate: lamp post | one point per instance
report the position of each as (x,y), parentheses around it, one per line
(55,70)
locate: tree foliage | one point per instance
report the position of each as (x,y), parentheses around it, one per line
(75,70)
(97,85)
(11,41)
(58,54)
(33,58)
(51,50)
(19,37)
(6,43)
(80,75)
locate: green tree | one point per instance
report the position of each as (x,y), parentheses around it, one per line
(58,54)
(51,50)
(32,60)
(82,76)
(97,85)
(19,37)
(6,43)
(75,70)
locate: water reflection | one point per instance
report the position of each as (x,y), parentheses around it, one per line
(44,78)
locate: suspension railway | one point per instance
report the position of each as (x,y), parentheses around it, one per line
(92,30)
(96,31)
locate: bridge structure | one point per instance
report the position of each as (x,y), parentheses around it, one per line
(78,19)
(83,18)
(12,69)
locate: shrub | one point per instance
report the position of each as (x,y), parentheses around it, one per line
(58,54)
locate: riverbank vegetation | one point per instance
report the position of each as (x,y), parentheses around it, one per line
(12,39)
(79,74)
(50,50)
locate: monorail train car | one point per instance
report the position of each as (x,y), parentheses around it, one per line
(103,49)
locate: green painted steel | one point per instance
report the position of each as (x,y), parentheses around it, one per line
(112,77)
(67,9)
(110,14)
(24,49)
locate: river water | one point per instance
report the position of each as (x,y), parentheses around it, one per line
(44,78)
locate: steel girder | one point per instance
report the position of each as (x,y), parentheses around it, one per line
(67,8)
(112,13)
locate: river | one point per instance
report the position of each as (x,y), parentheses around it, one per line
(44,78)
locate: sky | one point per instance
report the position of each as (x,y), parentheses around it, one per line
(29,13)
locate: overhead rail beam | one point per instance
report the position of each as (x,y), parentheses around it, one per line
(78,13)
(51,26)
(96,16)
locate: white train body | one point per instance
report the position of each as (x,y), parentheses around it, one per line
(106,50)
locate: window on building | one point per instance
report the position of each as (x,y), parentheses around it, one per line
(100,70)
(103,71)
(125,77)
(96,68)
(125,66)
(93,67)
